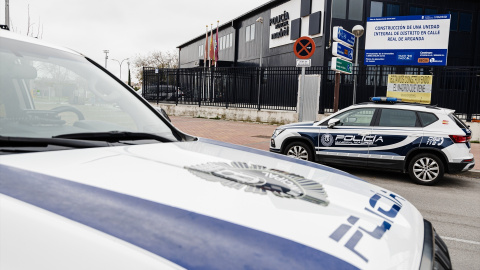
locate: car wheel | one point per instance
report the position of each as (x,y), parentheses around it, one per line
(426,169)
(299,150)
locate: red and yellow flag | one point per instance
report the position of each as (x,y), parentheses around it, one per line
(212,53)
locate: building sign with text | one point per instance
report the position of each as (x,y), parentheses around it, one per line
(407,40)
(410,88)
(294,19)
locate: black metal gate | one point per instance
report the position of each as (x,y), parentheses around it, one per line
(275,88)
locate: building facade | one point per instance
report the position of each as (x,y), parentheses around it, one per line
(243,40)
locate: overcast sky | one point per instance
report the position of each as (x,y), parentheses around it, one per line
(126,28)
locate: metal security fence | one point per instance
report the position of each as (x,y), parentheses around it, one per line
(276,88)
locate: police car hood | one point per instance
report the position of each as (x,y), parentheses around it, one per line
(299,124)
(203,204)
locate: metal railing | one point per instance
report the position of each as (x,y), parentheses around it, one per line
(275,88)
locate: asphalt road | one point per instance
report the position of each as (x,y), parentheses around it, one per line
(453,206)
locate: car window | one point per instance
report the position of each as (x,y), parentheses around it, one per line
(356,117)
(47,92)
(458,121)
(427,118)
(397,118)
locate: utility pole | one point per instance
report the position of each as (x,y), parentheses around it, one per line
(358,32)
(129,81)
(7,14)
(106,57)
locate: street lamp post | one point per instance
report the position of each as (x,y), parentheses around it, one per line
(128,65)
(106,57)
(7,13)
(120,63)
(358,32)
(260,20)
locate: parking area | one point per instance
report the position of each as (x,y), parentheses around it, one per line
(253,135)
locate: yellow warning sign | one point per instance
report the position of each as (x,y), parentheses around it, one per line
(410,88)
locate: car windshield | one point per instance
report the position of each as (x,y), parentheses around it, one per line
(47,92)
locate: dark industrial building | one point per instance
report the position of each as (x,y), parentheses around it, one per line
(244,39)
(266,36)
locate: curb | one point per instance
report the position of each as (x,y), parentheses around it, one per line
(470,173)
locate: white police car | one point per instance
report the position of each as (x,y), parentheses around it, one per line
(93,177)
(423,140)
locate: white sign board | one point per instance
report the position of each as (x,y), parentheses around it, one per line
(304,62)
(407,40)
(282,17)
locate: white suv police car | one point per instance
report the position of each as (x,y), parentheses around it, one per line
(93,177)
(425,141)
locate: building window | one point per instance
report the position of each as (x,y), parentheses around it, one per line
(420,11)
(392,10)
(201,49)
(226,41)
(355,10)
(465,22)
(416,11)
(250,32)
(453,20)
(379,9)
(376,9)
(430,11)
(339,9)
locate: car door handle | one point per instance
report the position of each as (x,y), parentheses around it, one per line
(364,133)
(415,135)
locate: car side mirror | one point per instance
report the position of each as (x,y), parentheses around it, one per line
(333,122)
(163,113)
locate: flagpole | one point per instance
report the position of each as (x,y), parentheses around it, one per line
(211,45)
(216,46)
(205,59)
(205,51)
(210,81)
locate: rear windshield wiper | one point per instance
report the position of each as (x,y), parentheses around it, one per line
(114,136)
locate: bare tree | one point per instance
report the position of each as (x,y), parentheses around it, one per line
(30,29)
(155,59)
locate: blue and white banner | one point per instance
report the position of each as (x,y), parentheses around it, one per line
(407,40)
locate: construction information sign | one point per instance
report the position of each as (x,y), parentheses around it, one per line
(410,88)
(407,40)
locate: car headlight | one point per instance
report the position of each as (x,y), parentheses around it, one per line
(277,132)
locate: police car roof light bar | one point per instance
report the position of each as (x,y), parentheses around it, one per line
(385,99)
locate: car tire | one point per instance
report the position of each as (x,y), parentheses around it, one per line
(299,150)
(426,169)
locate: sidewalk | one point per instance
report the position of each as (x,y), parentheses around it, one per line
(253,135)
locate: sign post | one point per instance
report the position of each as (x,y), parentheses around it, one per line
(303,48)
